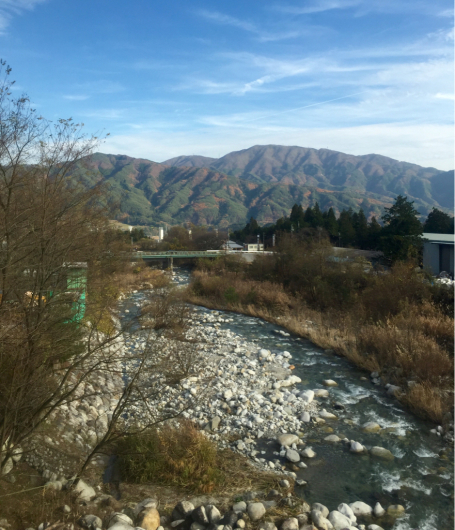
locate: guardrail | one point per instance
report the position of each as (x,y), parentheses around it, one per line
(177,254)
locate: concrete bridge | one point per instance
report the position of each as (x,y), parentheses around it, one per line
(171,254)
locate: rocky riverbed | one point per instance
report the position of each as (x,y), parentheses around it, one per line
(291,408)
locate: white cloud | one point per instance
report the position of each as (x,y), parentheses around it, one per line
(75,97)
(318,6)
(11,8)
(439,95)
(261,34)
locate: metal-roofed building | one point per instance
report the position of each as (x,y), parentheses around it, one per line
(438,253)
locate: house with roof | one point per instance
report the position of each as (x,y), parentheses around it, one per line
(438,253)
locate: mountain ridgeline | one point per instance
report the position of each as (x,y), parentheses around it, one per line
(263,182)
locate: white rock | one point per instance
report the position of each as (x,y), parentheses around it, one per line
(119,517)
(380,452)
(338,520)
(305,417)
(332,438)
(360,508)
(356,447)
(374,527)
(287,439)
(378,510)
(292,455)
(307,396)
(290,524)
(84,491)
(320,521)
(346,510)
(371,426)
(329,382)
(318,507)
(256,510)
(327,415)
(308,453)
(321,392)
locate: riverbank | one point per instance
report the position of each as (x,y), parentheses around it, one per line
(408,351)
(276,403)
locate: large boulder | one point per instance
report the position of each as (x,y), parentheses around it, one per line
(118,517)
(318,507)
(346,510)
(338,520)
(396,510)
(287,439)
(308,453)
(356,447)
(292,455)
(83,491)
(371,426)
(307,395)
(149,519)
(213,513)
(199,515)
(360,508)
(256,511)
(380,452)
(320,521)
(182,510)
(290,524)
(378,510)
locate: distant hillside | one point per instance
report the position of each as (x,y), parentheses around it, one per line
(332,170)
(190,161)
(263,182)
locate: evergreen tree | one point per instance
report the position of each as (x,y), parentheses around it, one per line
(346,228)
(401,235)
(317,216)
(374,232)
(330,223)
(360,224)
(297,216)
(438,222)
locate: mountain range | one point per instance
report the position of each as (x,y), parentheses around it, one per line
(263,182)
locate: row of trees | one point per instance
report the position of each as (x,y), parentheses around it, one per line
(398,235)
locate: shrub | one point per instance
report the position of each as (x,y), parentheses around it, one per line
(174,456)
(231,295)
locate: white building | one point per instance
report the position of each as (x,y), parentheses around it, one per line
(253,247)
(438,253)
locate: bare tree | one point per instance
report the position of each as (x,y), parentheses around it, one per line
(48,222)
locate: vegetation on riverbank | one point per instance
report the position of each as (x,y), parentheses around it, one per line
(182,456)
(394,322)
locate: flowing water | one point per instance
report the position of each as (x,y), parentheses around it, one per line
(418,478)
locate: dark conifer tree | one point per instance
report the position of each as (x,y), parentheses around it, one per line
(438,222)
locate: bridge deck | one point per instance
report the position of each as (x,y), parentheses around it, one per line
(178,254)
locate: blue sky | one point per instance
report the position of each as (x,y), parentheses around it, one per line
(200,77)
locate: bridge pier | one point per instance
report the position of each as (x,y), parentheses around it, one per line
(171,264)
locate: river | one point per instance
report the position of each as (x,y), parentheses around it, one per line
(419,477)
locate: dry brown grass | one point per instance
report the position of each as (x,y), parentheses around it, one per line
(414,343)
(182,456)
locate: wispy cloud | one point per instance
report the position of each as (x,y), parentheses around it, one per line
(439,95)
(11,8)
(75,97)
(363,7)
(261,34)
(318,6)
